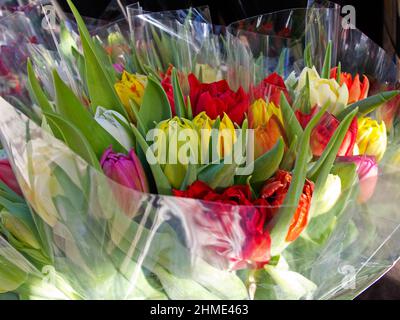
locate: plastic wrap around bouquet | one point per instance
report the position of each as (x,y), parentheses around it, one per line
(162,157)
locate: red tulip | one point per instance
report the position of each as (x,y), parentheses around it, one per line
(271,88)
(233,224)
(7,176)
(168,88)
(390,110)
(323,132)
(124,169)
(367,170)
(274,193)
(358,90)
(218,98)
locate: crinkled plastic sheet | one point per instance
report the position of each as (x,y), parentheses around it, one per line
(111,242)
(115,243)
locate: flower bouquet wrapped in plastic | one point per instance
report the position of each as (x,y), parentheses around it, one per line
(262,174)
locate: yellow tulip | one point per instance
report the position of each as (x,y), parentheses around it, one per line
(207,73)
(177,144)
(323,91)
(372,137)
(226,134)
(261,112)
(131,87)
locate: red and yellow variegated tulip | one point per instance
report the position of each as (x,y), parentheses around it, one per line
(131,87)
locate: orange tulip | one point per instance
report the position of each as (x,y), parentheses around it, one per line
(358,90)
(267,135)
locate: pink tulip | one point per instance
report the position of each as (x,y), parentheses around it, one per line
(124,169)
(367,170)
(7,176)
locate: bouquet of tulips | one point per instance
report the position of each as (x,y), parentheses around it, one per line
(183,161)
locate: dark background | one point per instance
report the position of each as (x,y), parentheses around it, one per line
(370,14)
(377,19)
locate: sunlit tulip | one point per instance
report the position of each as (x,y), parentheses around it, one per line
(329,195)
(267,135)
(358,90)
(371,137)
(367,170)
(274,192)
(323,132)
(176,144)
(323,91)
(131,87)
(261,112)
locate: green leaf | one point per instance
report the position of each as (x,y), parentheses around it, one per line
(218,175)
(266,165)
(282,220)
(369,104)
(100,83)
(38,94)
(189,109)
(290,156)
(180,107)
(162,183)
(326,69)
(67,42)
(291,124)
(155,106)
(302,102)
(69,106)
(280,68)
(190,177)
(80,64)
(12,277)
(307,56)
(73,138)
(338,72)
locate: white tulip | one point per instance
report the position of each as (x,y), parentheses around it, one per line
(108,120)
(323,91)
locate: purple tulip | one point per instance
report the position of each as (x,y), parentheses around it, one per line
(124,169)
(7,176)
(367,170)
(119,68)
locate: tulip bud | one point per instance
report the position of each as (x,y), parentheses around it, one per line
(111,120)
(324,131)
(358,90)
(329,195)
(372,138)
(367,170)
(266,136)
(131,87)
(261,112)
(176,144)
(208,74)
(7,176)
(19,230)
(324,91)
(124,169)
(226,134)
